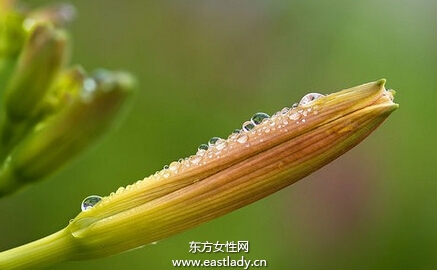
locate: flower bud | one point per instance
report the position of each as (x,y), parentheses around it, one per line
(269,154)
(69,131)
(40,62)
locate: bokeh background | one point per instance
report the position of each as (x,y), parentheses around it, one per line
(204,67)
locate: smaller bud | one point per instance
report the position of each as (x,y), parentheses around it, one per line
(68,132)
(40,61)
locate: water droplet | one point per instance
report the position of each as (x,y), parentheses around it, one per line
(174,166)
(257,118)
(236,131)
(203,147)
(195,159)
(119,190)
(213,140)
(220,144)
(165,167)
(294,106)
(243,138)
(248,125)
(90,201)
(294,116)
(285,110)
(165,173)
(310,97)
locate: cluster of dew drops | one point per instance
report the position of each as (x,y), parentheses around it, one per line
(215,145)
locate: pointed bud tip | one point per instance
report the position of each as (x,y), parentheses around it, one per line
(381,82)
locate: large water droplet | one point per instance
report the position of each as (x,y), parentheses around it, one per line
(248,125)
(310,97)
(257,118)
(90,201)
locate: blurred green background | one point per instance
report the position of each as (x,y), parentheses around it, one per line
(204,67)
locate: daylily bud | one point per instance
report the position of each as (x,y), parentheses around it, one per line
(12,37)
(40,61)
(12,33)
(258,161)
(67,132)
(268,154)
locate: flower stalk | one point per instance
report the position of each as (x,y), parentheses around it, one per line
(268,154)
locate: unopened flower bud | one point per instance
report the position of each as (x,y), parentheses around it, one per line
(68,132)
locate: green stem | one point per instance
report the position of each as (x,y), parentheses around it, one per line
(41,253)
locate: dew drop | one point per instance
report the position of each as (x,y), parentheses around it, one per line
(119,190)
(203,146)
(248,125)
(285,110)
(243,138)
(174,166)
(294,116)
(165,173)
(259,117)
(294,106)
(310,97)
(195,159)
(89,202)
(220,144)
(213,140)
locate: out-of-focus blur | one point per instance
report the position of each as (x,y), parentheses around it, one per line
(204,67)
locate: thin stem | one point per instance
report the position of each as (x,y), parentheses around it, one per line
(44,252)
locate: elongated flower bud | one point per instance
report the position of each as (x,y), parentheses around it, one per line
(40,61)
(268,154)
(264,157)
(68,132)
